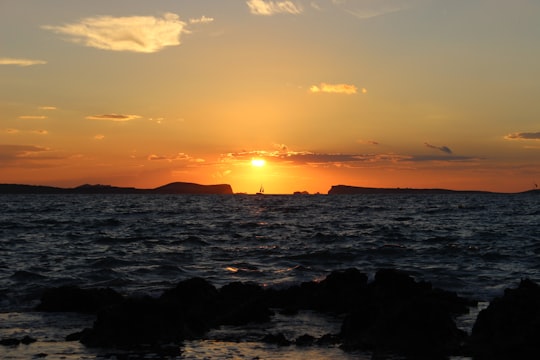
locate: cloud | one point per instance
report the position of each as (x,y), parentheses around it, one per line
(21,62)
(374,8)
(175,157)
(523,136)
(113,117)
(41,132)
(99,137)
(444,149)
(270,7)
(334,89)
(438,158)
(47,108)
(284,154)
(10,153)
(368,142)
(202,20)
(145,34)
(32,117)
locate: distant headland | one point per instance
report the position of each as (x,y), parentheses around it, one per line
(220,189)
(353,190)
(172,188)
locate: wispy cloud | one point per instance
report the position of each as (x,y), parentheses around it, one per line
(202,20)
(11,153)
(523,136)
(99,137)
(47,108)
(21,62)
(174,157)
(32,117)
(335,89)
(11,131)
(283,154)
(368,9)
(113,117)
(439,158)
(315,159)
(444,149)
(145,34)
(270,7)
(368,142)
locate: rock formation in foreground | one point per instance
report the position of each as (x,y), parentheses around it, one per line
(392,314)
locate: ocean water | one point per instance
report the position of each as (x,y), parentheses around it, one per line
(474,244)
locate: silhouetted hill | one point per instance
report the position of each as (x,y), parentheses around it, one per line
(351,190)
(29,189)
(173,188)
(191,188)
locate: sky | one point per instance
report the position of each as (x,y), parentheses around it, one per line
(296,95)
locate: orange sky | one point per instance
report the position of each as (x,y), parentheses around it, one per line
(388,93)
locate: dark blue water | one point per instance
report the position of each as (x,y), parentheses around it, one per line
(475,244)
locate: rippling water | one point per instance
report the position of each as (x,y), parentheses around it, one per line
(475,244)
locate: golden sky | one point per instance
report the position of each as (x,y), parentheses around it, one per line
(378,93)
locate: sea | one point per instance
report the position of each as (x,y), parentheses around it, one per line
(476,244)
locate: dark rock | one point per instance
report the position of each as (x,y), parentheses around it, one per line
(135,322)
(196,301)
(10,342)
(75,299)
(276,339)
(328,339)
(27,340)
(184,312)
(242,303)
(392,314)
(510,326)
(401,315)
(76,336)
(305,340)
(339,292)
(293,298)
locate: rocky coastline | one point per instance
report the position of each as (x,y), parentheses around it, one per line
(392,314)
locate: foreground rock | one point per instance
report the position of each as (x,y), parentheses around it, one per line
(76,299)
(392,314)
(398,314)
(509,328)
(186,311)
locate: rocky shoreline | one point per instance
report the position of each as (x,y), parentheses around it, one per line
(392,314)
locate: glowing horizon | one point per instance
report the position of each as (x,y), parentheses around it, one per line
(375,94)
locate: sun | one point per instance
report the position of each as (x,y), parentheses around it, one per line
(258,162)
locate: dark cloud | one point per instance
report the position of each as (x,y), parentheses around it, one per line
(113,117)
(450,158)
(313,158)
(523,136)
(444,149)
(11,154)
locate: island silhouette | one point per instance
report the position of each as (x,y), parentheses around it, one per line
(172,188)
(220,189)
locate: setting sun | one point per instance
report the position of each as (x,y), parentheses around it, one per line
(258,162)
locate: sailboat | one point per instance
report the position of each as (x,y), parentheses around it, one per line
(261,191)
